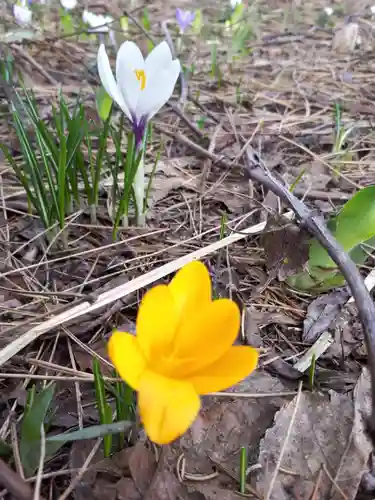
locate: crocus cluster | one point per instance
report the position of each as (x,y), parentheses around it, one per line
(183,348)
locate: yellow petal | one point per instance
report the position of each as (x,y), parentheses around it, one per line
(234,366)
(206,336)
(167,407)
(124,352)
(191,288)
(156,322)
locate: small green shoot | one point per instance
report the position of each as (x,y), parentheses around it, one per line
(104,409)
(197,24)
(215,70)
(124,395)
(341,135)
(243,468)
(35,415)
(312,373)
(67,22)
(223,225)
(201,122)
(297,180)
(237,14)
(124,24)
(147,25)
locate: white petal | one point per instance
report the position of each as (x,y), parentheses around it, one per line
(158,59)
(108,80)
(130,55)
(23,15)
(96,21)
(158,90)
(85,16)
(129,59)
(68,4)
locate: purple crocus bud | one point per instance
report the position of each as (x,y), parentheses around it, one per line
(184,19)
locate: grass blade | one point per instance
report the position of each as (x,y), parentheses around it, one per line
(34,416)
(104,409)
(92,432)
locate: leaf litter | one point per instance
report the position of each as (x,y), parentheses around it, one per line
(326,435)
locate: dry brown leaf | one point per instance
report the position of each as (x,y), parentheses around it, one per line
(345,38)
(165,486)
(142,465)
(223,426)
(127,490)
(170,175)
(226,424)
(286,248)
(321,313)
(84,359)
(325,434)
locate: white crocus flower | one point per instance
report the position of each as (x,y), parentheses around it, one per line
(234,3)
(328,11)
(69,4)
(96,21)
(22,14)
(141,88)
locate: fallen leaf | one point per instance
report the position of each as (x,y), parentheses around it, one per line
(127,490)
(286,248)
(165,486)
(325,436)
(169,175)
(345,38)
(84,359)
(106,472)
(321,313)
(142,465)
(225,424)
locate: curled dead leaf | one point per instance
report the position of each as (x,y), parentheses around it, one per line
(345,38)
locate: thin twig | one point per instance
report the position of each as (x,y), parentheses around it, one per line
(334,483)
(284,445)
(38,482)
(34,63)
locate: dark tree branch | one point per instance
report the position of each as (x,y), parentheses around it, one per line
(317,227)
(256,171)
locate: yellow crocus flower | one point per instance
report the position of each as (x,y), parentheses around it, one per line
(183,348)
